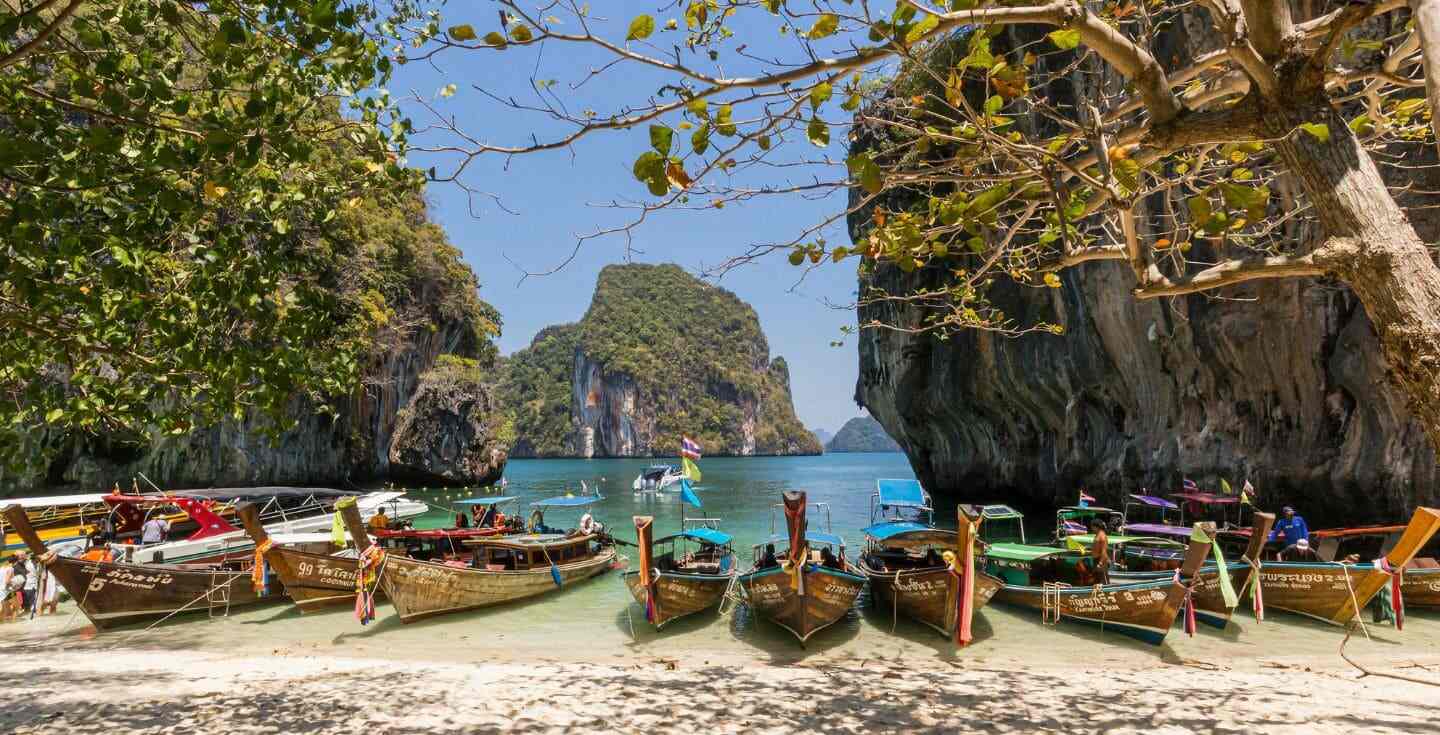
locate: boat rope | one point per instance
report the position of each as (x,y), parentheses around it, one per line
(1364,672)
(202,596)
(1354,604)
(1252,584)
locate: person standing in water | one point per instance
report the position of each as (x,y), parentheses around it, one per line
(1100,552)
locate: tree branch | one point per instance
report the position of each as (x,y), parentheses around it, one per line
(1232,272)
(14,57)
(1269,24)
(1426,16)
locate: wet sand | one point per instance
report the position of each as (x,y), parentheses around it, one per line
(270,670)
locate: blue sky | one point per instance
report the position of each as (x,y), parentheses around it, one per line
(553,196)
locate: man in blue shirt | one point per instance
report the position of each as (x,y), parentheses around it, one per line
(1291,529)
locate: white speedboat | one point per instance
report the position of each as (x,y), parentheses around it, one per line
(205,537)
(657,477)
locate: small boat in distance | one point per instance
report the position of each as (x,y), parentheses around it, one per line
(905,563)
(692,571)
(656,478)
(813,586)
(499,568)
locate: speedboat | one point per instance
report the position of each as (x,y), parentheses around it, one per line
(657,477)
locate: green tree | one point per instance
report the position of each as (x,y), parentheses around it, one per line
(173,180)
(1063,132)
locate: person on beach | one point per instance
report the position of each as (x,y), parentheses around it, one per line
(379,521)
(154,531)
(50,598)
(7,592)
(769,559)
(25,569)
(1100,553)
(1290,531)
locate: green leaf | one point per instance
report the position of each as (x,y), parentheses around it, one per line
(55,414)
(700,139)
(1065,38)
(521,33)
(994,104)
(797,256)
(818,132)
(493,38)
(865,171)
(699,107)
(1200,209)
(661,139)
(852,103)
(918,31)
(464,32)
(723,125)
(819,94)
(774,6)
(1319,131)
(448,90)
(825,25)
(764,142)
(648,165)
(640,28)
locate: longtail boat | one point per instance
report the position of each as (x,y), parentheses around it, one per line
(812,587)
(113,594)
(1211,607)
(313,579)
(500,569)
(679,581)
(56,519)
(1063,584)
(1336,591)
(1420,582)
(905,561)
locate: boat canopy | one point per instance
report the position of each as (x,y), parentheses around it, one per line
(891,529)
(902,494)
(54,501)
(1159,529)
(567,501)
(257,493)
(1089,538)
(1021,552)
(1154,502)
(1079,511)
(816,536)
(1206,498)
(485,501)
(657,472)
(707,535)
(1000,513)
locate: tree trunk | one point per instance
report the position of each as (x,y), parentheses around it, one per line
(1372,247)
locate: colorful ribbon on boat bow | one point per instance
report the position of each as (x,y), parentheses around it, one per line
(1227,587)
(1252,583)
(794,567)
(964,571)
(1189,604)
(366,578)
(259,572)
(1397,602)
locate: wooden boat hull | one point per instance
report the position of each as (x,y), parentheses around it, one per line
(422,589)
(1320,590)
(679,594)
(928,595)
(314,581)
(829,594)
(1141,610)
(113,595)
(1210,606)
(1421,588)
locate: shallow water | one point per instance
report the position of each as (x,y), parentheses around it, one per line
(594,620)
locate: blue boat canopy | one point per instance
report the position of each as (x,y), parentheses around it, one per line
(891,529)
(816,536)
(708,535)
(570,501)
(1155,502)
(901,493)
(485,501)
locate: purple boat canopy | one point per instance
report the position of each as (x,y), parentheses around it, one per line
(1158,529)
(1155,502)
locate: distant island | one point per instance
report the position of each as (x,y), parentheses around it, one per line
(658,354)
(862,434)
(822,435)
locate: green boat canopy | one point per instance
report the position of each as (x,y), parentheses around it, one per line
(1022,552)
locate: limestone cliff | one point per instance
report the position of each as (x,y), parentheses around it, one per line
(659,353)
(450,432)
(1280,383)
(425,302)
(862,434)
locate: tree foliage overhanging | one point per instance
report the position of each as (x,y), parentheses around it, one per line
(203,212)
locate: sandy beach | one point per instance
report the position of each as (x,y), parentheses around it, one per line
(69,680)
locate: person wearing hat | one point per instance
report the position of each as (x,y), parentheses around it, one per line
(1290,531)
(1299,551)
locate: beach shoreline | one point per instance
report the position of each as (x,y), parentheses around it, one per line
(74,681)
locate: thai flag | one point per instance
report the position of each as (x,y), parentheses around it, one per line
(1190,486)
(689,448)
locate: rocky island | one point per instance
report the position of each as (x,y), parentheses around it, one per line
(659,353)
(862,434)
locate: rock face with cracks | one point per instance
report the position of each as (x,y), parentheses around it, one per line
(450,433)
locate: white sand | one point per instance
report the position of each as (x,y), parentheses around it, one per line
(70,684)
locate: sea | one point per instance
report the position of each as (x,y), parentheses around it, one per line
(597,620)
